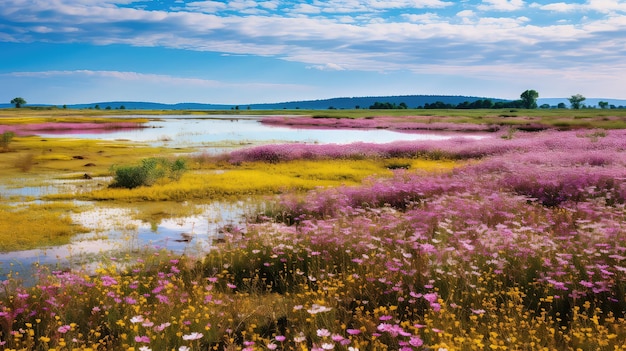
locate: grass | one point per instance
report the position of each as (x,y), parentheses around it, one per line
(37,225)
(216,180)
(560,118)
(35,160)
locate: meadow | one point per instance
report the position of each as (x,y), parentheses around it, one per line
(513,242)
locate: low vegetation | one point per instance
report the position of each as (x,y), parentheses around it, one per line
(211,179)
(37,225)
(149,172)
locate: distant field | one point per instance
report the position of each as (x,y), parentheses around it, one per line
(559,118)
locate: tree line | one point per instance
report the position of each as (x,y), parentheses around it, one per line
(527,100)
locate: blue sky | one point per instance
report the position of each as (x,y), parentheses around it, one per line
(242,52)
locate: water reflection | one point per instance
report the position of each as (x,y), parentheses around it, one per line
(115,232)
(186,131)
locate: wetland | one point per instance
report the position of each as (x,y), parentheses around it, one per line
(456,230)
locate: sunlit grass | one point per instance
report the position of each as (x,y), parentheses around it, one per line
(65,157)
(222,181)
(37,225)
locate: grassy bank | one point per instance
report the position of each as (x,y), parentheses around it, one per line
(559,118)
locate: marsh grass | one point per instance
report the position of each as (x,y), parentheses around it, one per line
(36,160)
(37,225)
(218,180)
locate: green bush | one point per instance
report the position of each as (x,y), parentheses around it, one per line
(148,172)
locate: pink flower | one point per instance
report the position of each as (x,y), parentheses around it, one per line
(64,329)
(430,297)
(415,341)
(142,338)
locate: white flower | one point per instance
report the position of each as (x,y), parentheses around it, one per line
(323,333)
(193,336)
(184,348)
(137,319)
(318,309)
(300,338)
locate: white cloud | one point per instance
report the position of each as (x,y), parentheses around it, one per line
(306,9)
(423,18)
(355,37)
(501,5)
(561,7)
(327,67)
(600,6)
(466,13)
(270,5)
(206,6)
(607,6)
(155,79)
(119,75)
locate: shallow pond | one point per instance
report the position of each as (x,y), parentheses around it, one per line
(192,131)
(114,232)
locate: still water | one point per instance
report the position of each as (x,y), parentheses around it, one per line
(191,131)
(113,231)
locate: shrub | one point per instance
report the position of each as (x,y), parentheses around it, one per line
(148,172)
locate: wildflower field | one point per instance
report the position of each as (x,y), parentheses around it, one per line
(520,245)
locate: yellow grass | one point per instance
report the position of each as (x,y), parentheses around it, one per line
(65,157)
(36,225)
(258,178)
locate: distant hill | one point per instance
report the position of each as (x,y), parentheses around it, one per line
(412,101)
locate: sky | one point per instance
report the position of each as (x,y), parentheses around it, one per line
(243,52)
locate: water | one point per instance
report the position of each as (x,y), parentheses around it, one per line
(193,234)
(114,232)
(186,131)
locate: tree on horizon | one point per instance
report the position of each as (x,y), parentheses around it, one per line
(576,101)
(18,102)
(529,99)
